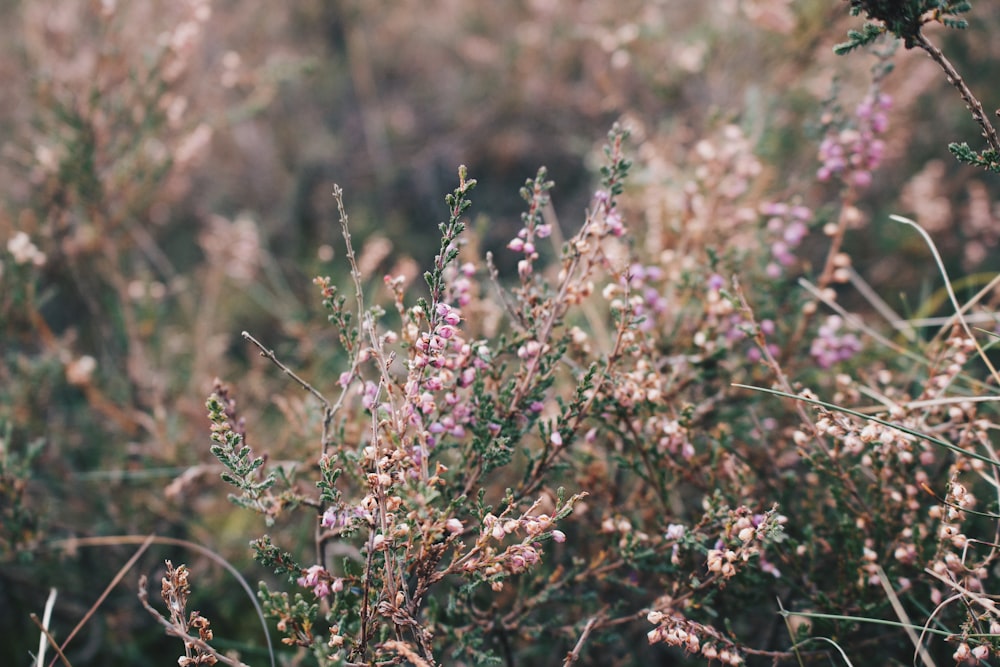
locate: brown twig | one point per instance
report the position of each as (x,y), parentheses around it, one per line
(574,655)
(52,640)
(956,80)
(269,354)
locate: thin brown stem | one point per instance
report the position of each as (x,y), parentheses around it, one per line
(51,639)
(71,544)
(574,655)
(956,80)
(269,354)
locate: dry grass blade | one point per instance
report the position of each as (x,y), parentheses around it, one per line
(107,590)
(978,598)
(959,310)
(43,641)
(904,618)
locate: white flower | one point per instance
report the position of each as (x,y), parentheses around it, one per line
(24,251)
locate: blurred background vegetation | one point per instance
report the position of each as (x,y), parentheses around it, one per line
(173,162)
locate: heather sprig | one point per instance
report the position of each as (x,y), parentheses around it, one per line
(411,513)
(534,229)
(192,628)
(243,470)
(458,203)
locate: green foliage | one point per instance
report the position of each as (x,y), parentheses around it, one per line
(270,556)
(988,159)
(20,523)
(243,469)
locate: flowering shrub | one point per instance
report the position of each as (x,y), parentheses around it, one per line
(676,425)
(411,490)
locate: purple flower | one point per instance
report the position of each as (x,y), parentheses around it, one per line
(830,347)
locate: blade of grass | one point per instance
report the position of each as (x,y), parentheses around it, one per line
(791,633)
(43,640)
(905,327)
(836,646)
(863,619)
(959,310)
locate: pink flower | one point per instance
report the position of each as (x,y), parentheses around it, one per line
(317,578)
(614,222)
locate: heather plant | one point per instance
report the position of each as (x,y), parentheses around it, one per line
(638,408)
(678,426)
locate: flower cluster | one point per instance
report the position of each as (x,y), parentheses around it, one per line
(461,288)
(853,153)
(524,242)
(23,251)
(320,581)
(725,325)
(787,225)
(443,365)
(489,562)
(613,225)
(642,286)
(965,653)
(673,629)
(535,193)
(743,537)
(831,346)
